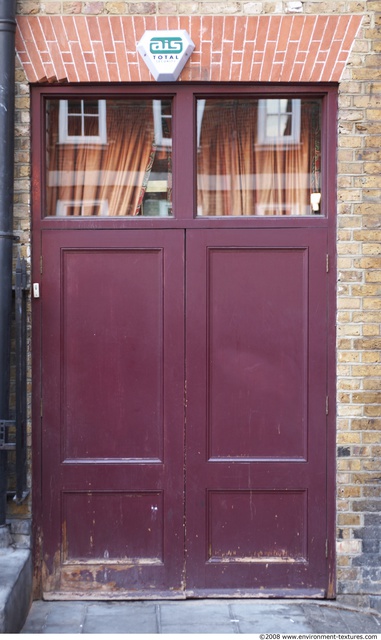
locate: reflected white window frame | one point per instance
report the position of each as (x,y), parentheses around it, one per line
(291,209)
(200,114)
(160,139)
(65,138)
(294,137)
(62,207)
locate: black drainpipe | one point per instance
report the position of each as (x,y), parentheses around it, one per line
(7,102)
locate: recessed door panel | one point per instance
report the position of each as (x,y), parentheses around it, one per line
(138,514)
(271,526)
(257,352)
(112,319)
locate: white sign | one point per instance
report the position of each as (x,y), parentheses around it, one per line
(165,53)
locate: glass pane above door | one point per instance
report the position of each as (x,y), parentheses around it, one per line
(259,157)
(108,157)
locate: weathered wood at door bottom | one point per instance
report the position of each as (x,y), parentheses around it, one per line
(188,595)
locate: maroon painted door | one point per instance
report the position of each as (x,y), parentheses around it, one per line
(114,421)
(256,411)
(181,371)
(112,412)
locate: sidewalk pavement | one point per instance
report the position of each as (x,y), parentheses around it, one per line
(200,616)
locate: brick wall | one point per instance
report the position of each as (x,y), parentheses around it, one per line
(262,48)
(359,258)
(359,315)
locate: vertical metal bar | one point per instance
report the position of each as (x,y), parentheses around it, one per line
(18,348)
(24,374)
(20,320)
(7,100)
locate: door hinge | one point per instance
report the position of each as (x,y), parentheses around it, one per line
(41,265)
(326,405)
(327,263)
(326,548)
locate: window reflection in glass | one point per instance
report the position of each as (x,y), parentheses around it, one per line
(82,121)
(278,121)
(259,157)
(106,157)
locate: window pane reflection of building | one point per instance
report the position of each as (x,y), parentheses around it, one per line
(104,158)
(259,157)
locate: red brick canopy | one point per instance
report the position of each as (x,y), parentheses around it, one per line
(288,48)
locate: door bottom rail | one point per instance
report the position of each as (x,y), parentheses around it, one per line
(257,594)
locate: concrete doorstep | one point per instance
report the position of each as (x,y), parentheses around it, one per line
(15,587)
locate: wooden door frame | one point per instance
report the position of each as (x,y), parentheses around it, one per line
(184,201)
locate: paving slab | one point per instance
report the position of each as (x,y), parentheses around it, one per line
(36,620)
(69,617)
(323,619)
(222,616)
(116,617)
(257,617)
(196,616)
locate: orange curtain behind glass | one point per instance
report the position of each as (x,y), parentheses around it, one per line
(106,178)
(225,162)
(241,173)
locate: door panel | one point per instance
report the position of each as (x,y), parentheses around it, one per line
(96,331)
(256,418)
(112,393)
(257,352)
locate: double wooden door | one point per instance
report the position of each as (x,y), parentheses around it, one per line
(183,412)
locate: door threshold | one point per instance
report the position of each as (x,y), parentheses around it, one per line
(265,594)
(194,594)
(109,595)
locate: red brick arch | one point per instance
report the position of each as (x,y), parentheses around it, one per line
(289,48)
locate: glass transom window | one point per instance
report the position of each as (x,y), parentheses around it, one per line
(237,155)
(109,157)
(258,157)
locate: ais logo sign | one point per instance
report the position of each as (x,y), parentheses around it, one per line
(165,53)
(166,46)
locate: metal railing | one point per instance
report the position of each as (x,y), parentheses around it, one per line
(13,432)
